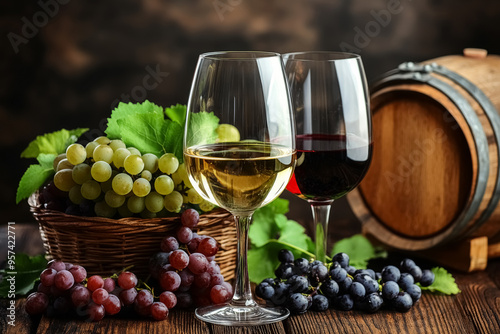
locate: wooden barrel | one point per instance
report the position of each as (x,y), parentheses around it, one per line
(434,176)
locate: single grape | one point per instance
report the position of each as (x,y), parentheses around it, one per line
(154,202)
(202,280)
(47,276)
(219,294)
(63,280)
(330,288)
(169,299)
(90,147)
(228,287)
(112,305)
(320,303)
(144,298)
(115,144)
(198,263)
(127,280)
(190,218)
(95,282)
(173,202)
(169,244)
(113,199)
(285,256)
(405,281)
(264,290)
(147,175)
(159,311)
(103,153)
(319,273)
(63,179)
(416,272)
(213,268)
(76,154)
(109,284)
(402,302)
(208,246)
(99,296)
(406,265)
(368,282)
(179,259)
(90,190)
(427,278)
(56,265)
(57,160)
(227,133)
(337,273)
(141,187)
(136,204)
(390,290)
(44,289)
(119,156)
(298,284)
(64,164)
(168,163)
(301,266)
(184,234)
(297,303)
(216,279)
(79,273)
(284,270)
(150,162)
(127,296)
(342,259)
(134,151)
(170,281)
(95,312)
(75,195)
(415,292)
(373,302)
(81,173)
(187,277)
(101,171)
(344,285)
(36,303)
(80,296)
(122,183)
(164,184)
(194,197)
(102,140)
(390,273)
(133,164)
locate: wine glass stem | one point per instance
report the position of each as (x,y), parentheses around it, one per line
(321,215)
(242,292)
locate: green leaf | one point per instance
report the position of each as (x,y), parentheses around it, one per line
(203,127)
(177,113)
(52,143)
(27,271)
(443,283)
(271,231)
(359,249)
(35,176)
(124,110)
(151,133)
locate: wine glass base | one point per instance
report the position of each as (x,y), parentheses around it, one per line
(237,315)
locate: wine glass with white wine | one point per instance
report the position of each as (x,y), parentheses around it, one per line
(245,162)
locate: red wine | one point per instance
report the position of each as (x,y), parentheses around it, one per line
(328,166)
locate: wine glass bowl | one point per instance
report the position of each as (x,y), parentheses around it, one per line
(333,130)
(243,163)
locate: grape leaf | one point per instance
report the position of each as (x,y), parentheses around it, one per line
(52,143)
(177,113)
(35,176)
(151,133)
(359,249)
(271,231)
(443,282)
(27,271)
(124,110)
(203,127)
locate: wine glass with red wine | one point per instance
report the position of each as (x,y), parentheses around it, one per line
(333,130)
(245,162)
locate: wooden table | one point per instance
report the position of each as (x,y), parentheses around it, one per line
(475,310)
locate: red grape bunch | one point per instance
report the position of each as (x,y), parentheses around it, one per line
(186,265)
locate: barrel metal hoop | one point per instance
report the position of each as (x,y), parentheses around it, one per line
(494,119)
(480,140)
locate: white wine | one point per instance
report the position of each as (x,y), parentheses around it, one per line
(240,176)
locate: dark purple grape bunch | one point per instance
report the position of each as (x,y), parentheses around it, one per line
(64,289)
(186,266)
(301,285)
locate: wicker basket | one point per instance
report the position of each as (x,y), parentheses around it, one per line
(104,246)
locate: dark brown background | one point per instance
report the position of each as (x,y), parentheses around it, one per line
(87,55)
